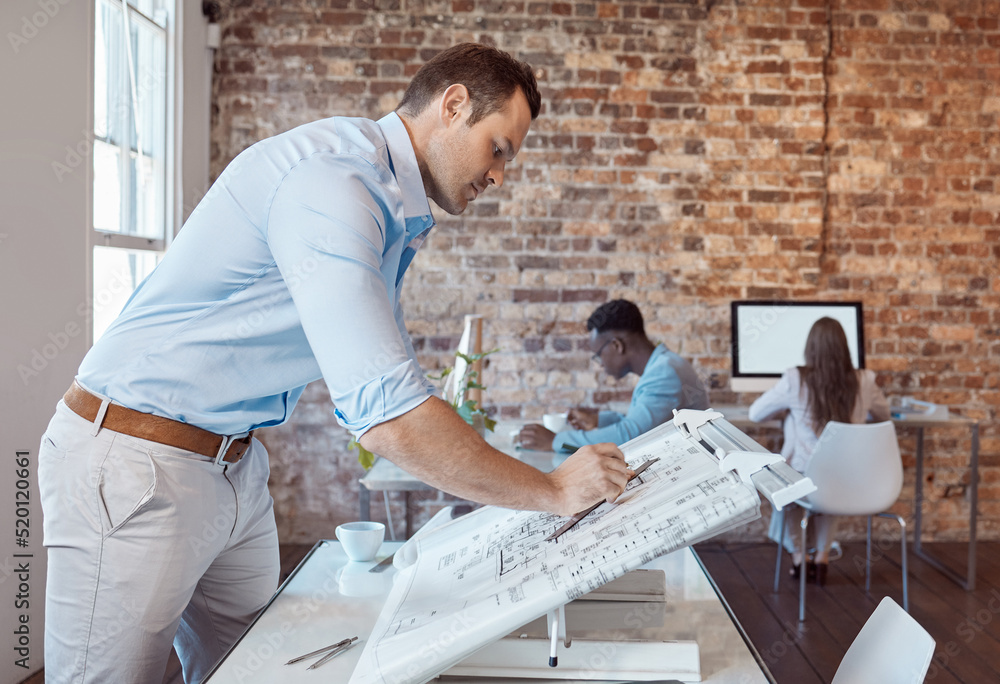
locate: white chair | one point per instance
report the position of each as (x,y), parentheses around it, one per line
(891,648)
(857,470)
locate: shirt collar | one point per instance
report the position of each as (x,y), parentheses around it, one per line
(404,162)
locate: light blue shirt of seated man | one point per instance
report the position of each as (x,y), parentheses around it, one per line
(619,344)
(668,382)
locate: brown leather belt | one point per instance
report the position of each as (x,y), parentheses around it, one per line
(156,428)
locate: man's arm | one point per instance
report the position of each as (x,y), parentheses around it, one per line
(434,444)
(778,398)
(655,396)
(329,247)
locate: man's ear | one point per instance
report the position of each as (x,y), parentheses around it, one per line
(454,104)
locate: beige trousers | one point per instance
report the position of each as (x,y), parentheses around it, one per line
(148,545)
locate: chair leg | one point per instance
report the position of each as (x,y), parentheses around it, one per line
(781,547)
(802,576)
(902,529)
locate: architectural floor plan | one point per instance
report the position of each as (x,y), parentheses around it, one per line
(470,581)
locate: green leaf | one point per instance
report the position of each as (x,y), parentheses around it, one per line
(469,380)
(466,410)
(489,423)
(365,457)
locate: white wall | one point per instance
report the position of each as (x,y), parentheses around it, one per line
(44,266)
(45,143)
(194,107)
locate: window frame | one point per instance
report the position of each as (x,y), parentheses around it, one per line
(171,154)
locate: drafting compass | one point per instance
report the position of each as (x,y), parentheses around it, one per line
(331,651)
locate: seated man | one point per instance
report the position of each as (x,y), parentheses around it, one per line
(667,382)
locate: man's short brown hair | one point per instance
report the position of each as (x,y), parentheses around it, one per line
(489,74)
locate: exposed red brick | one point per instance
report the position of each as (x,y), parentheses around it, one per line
(682,159)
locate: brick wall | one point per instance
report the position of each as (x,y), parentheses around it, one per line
(687,154)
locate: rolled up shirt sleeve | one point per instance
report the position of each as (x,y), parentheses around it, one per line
(334,254)
(408,344)
(606,418)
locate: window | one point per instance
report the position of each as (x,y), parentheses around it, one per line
(131,134)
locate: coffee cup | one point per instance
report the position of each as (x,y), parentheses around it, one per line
(555,422)
(361,540)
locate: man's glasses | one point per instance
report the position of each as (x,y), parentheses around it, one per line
(597,354)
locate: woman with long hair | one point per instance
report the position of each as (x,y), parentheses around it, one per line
(826,388)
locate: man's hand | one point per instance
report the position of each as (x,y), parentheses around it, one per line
(582,418)
(593,473)
(534,436)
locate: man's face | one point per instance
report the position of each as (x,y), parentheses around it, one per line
(464,160)
(607,350)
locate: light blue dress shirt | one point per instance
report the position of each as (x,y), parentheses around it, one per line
(289,270)
(668,382)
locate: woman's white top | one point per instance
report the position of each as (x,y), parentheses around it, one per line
(791,394)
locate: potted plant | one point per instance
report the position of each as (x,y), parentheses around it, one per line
(465,401)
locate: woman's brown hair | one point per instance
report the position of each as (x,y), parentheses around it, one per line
(829,374)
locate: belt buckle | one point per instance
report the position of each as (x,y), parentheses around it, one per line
(227,441)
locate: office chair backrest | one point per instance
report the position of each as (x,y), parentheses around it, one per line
(856,468)
(891,648)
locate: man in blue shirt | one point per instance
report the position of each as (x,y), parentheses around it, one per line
(157,517)
(619,343)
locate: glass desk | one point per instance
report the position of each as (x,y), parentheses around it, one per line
(327,598)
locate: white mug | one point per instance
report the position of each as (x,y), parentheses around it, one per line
(555,422)
(360,540)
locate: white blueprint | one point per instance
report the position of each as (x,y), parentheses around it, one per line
(477,578)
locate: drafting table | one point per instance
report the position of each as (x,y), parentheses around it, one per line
(485,575)
(327,598)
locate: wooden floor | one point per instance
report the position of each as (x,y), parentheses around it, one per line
(964,624)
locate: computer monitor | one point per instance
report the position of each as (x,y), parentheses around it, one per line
(770,336)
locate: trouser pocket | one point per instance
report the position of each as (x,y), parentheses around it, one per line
(127,484)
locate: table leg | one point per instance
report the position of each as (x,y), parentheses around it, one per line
(969,581)
(364,503)
(918,493)
(409,516)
